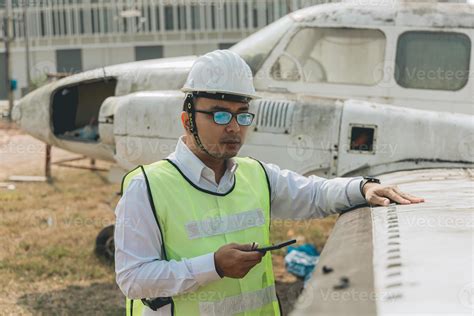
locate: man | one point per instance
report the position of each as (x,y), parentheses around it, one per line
(186,225)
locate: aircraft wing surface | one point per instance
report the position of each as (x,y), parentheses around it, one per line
(401,259)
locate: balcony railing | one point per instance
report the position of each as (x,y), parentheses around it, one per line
(73,20)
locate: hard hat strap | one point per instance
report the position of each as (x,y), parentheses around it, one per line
(189,108)
(222,96)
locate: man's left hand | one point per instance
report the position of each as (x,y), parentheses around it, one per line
(378,194)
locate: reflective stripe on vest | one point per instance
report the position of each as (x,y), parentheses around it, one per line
(225,224)
(239,303)
(194,222)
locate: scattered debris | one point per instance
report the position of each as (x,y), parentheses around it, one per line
(8,186)
(3,109)
(343,283)
(50,221)
(301,261)
(327,270)
(28,178)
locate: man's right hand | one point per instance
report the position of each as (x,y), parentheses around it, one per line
(236,260)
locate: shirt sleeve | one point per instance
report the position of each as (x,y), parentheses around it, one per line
(140,271)
(294,196)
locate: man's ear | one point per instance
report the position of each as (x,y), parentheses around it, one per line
(185,120)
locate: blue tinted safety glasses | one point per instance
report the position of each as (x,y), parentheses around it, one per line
(224,117)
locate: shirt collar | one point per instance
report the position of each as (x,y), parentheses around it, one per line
(193,165)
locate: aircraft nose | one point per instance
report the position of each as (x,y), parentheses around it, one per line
(31,113)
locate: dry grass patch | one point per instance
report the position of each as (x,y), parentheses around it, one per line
(48,233)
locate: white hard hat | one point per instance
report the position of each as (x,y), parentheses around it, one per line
(221,72)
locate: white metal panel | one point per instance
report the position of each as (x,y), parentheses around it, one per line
(152,114)
(423,255)
(415,137)
(304,144)
(146,126)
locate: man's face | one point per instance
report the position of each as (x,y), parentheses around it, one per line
(222,141)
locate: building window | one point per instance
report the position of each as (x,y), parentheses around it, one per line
(433,60)
(332,55)
(148,52)
(181,17)
(42,24)
(195,17)
(69,60)
(82,21)
(169,21)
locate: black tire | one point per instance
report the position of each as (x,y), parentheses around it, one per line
(104,244)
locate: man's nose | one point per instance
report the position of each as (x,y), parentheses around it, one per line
(233,126)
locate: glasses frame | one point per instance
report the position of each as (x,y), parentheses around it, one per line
(233,115)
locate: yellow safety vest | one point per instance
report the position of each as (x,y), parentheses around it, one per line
(194,222)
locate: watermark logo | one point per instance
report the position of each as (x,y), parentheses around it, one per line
(300,147)
(466,296)
(43,68)
(385,73)
(214,76)
(133,148)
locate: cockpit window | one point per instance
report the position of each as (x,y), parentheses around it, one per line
(332,55)
(433,60)
(256,48)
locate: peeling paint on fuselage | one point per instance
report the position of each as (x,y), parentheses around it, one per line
(445,15)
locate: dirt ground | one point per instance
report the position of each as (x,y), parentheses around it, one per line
(20,152)
(48,231)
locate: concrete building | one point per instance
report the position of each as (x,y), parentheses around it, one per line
(70,36)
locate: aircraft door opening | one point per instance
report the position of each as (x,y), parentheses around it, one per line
(75,109)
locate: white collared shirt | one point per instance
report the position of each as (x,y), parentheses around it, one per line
(139,271)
